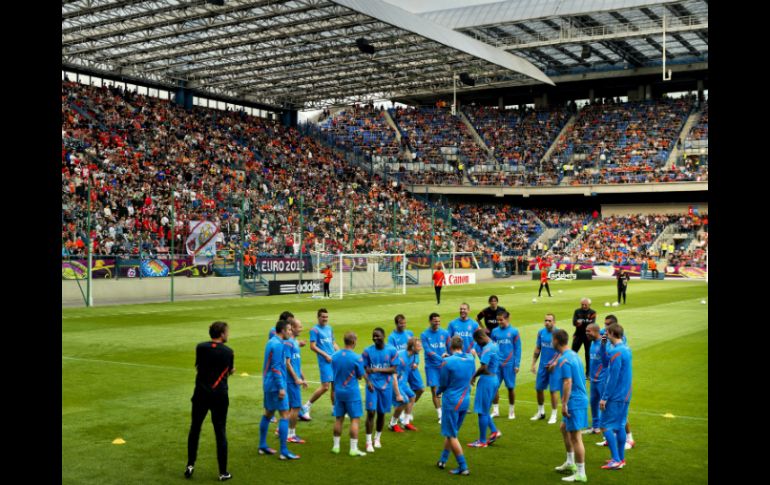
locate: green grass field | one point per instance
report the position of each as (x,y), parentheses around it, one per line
(128,372)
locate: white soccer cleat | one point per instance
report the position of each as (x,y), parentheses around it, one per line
(628,445)
(377,444)
(537,416)
(511,415)
(575,478)
(552,419)
(494,414)
(606,303)
(566,467)
(369,448)
(602,443)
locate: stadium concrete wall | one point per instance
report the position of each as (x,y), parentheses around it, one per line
(653,208)
(148,290)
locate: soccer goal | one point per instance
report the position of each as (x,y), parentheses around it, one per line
(457,260)
(360,274)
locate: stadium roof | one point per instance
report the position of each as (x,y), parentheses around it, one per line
(303,53)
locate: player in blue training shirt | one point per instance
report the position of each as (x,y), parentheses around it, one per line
(402,386)
(609,320)
(489,359)
(597,375)
(454,387)
(380,367)
(574,407)
(274,387)
(295,380)
(399,339)
(548,355)
(434,343)
(322,343)
(347,368)
(616,397)
(464,326)
(508,341)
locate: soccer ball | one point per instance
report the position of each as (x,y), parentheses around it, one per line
(561,291)
(703,302)
(614,303)
(513,287)
(606,303)
(534,300)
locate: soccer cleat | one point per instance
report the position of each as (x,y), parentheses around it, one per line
(377,443)
(369,448)
(439,420)
(478,444)
(296,439)
(289,456)
(225,476)
(356,452)
(575,478)
(460,471)
(494,414)
(273,420)
(441,464)
(511,415)
(552,419)
(396,428)
(630,444)
(411,427)
(587,431)
(305,417)
(494,437)
(566,467)
(537,416)
(266,451)
(189,471)
(305,411)
(336,450)
(602,443)
(613,465)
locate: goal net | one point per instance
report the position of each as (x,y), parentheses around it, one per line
(370,273)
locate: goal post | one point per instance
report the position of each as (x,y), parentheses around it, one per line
(367,273)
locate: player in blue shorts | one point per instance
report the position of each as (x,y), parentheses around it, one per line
(348,369)
(322,343)
(489,359)
(597,375)
(434,343)
(274,387)
(454,385)
(609,320)
(548,355)
(398,339)
(616,397)
(380,367)
(296,380)
(574,407)
(464,326)
(508,341)
(402,386)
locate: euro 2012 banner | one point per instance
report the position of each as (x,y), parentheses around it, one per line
(76,269)
(201,244)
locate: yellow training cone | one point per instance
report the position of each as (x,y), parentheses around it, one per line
(118,441)
(668,415)
(245,374)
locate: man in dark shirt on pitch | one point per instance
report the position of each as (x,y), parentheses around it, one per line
(214,361)
(489,314)
(581,319)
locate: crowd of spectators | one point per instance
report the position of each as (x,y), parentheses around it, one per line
(365,128)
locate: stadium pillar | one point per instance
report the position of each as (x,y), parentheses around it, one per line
(700,90)
(500,103)
(183,96)
(171,253)
(432,233)
(591,95)
(289,117)
(241,244)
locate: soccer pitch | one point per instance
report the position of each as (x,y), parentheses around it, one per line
(128,372)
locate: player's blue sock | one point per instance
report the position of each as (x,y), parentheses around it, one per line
(491,424)
(612,443)
(622,442)
(263,425)
(461,462)
(483,427)
(283,433)
(594,413)
(444,456)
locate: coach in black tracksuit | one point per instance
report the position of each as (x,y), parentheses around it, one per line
(489,314)
(583,317)
(623,280)
(214,361)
